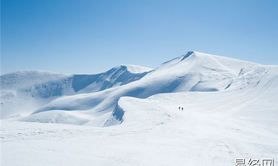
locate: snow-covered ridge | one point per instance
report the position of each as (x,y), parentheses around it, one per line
(135,68)
(31,89)
(27,78)
(116,76)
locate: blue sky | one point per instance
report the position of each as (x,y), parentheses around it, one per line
(90,36)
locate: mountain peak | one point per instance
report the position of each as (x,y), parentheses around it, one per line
(134,68)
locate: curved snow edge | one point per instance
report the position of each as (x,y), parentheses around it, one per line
(117,116)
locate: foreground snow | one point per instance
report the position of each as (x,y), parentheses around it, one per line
(213,129)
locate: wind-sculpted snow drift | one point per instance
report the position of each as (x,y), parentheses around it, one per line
(94,99)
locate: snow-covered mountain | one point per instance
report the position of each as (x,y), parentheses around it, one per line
(29,90)
(93,99)
(196,109)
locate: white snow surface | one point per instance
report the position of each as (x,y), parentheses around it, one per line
(137,68)
(26,91)
(230,111)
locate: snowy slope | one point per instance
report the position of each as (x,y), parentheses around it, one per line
(230,111)
(193,71)
(214,128)
(25,91)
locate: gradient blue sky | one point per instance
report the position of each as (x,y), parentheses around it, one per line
(90,36)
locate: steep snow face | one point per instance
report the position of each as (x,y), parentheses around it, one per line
(194,71)
(25,91)
(114,77)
